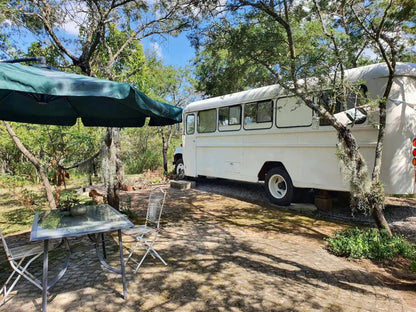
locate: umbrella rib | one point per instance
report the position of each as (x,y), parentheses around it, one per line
(73,107)
(6,96)
(39,98)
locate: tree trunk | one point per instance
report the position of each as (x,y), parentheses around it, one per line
(378,216)
(165,151)
(119,168)
(377,205)
(166,138)
(35,162)
(112,167)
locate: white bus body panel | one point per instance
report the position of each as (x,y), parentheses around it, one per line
(308,153)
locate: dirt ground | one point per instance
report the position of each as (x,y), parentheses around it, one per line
(267,218)
(227,249)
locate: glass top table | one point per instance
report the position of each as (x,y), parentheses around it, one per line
(58,224)
(97,220)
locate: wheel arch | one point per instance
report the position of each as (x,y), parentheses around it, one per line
(176,157)
(268,165)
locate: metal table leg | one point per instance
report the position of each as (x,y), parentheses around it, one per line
(45,275)
(103,243)
(123,270)
(65,266)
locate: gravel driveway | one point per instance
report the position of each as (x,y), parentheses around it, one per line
(223,254)
(400,213)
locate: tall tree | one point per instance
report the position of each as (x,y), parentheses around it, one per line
(105,33)
(173,85)
(293,40)
(384,24)
(35,162)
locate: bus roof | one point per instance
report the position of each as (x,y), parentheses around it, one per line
(270,92)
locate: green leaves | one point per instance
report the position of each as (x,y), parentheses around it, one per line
(51,144)
(370,244)
(257,43)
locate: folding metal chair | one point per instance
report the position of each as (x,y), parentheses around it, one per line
(146,235)
(16,257)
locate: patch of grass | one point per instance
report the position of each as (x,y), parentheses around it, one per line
(371,244)
(17,220)
(18,204)
(404,195)
(125,208)
(12,181)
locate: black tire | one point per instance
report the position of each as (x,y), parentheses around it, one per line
(279,186)
(179,169)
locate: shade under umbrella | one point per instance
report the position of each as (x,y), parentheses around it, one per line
(44,95)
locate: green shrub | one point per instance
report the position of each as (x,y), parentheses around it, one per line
(12,181)
(147,160)
(29,198)
(370,244)
(69,198)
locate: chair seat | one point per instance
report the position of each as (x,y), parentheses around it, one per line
(19,252)
(138,230)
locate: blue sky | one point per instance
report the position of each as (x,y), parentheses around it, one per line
(176,51)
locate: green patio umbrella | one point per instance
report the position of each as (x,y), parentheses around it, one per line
(44,95)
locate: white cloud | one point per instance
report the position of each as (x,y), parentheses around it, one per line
(6,23)
(157,49)
(368,52)
(71,28)
(75,16)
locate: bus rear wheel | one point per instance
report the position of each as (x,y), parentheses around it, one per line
(279,186)
(179,169)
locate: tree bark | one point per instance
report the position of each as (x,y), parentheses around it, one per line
(35,162)
(166,138)
(165,153)
(378,216)
(114,169)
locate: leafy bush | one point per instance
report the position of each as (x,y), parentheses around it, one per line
(28,198)
(12,181)
(370,244)
(147,160)
(69,198)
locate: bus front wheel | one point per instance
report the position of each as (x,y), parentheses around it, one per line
(179,169)
(279,186)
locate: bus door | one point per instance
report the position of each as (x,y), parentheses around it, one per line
(189,146)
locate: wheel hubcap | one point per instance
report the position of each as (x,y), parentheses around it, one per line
(180,170)
(277,186)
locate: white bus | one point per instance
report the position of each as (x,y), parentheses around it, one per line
(265,135)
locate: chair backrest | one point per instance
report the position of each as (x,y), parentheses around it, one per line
(6,248)
(155,206)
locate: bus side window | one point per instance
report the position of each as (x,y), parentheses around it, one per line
(357,96)
(250,113)
(258,115)
(229,118)
(348,103)
(292,112)
(264,111)
(190,124)
(356,99)
(207,120)
(330,103)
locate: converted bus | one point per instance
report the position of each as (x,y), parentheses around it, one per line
(264,135)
